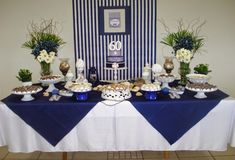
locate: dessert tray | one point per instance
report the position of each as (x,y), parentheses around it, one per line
(50,80)
(165,79)
(198,78)
(150,87)
(201,89)
(26,91)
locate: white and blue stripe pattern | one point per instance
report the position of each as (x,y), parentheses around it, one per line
(139,47)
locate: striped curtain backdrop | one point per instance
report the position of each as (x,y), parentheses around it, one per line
(138,45)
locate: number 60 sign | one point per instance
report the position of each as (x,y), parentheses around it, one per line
(115,46)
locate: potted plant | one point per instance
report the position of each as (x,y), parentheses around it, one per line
(202,69)
(25,76)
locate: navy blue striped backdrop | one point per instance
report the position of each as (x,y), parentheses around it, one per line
(138,46)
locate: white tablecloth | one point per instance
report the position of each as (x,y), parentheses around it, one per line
(121,128)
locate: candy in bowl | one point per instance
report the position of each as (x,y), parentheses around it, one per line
(198,78)
(150,91)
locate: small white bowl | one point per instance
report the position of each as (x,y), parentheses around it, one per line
(198,78)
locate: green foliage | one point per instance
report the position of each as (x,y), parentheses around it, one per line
(43,36)
(185,37)
(202,69)
(24,75)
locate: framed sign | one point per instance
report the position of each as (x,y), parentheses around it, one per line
(114,20)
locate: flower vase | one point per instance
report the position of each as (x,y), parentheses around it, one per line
(64,66)
(183,71)
(45,69)
(168,64)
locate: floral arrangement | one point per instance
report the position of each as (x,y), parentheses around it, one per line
(44,42)
(185,42)
(185,37)
(184,55)
(43,36)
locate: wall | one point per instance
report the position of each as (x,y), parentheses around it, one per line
(219,32)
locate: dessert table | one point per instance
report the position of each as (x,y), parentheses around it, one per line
(97,125)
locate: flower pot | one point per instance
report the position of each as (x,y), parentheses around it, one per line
(168,64)
(27,83)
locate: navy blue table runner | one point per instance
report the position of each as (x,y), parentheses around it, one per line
(52,120)
(171,118)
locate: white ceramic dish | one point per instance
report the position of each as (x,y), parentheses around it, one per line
(198,78)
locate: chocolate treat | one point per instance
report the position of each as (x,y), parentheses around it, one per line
(201,86)
(27,89)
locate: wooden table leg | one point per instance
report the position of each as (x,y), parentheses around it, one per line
(64,155)
(165,155)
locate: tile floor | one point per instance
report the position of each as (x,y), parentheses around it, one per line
(143,155)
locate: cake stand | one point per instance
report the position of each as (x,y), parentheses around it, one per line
(165,79)
(27,95)
(51,83)
(201,92)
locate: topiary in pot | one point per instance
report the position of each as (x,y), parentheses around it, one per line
(202,69)
(24,75)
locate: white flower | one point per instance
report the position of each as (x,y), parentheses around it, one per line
(43,53)
(39,58)
(48,60)
(184,55)
(52,54)
(51,58)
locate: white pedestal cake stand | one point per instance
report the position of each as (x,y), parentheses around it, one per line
(27,96)
(201,92)
(51,83)
(165,80)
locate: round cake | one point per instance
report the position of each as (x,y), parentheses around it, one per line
(116,92)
